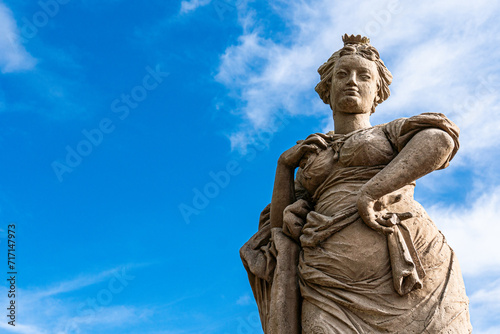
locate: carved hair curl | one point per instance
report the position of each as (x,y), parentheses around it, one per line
(355,45)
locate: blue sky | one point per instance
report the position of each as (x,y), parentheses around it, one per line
(116,115)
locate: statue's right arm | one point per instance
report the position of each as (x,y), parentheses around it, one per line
(283,191)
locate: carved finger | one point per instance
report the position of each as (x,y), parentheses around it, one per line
(380,228)
(320,142)
(388,222)
(387,216)
(404,215)
(322,135)
(308,148)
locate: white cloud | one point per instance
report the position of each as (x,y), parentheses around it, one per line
(13,55)
(75,284)
(57,94)
(113,317)
(490,330)
(50,311)
(440,55)
(472,231)
(20,328)
(444,57)
(485,308)
(244,300)
(191,5)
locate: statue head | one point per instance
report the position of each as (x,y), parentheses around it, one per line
(355,46)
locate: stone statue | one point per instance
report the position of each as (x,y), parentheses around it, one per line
(344,247)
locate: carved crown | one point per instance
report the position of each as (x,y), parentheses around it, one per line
(358,39)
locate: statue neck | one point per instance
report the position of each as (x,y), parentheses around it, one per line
(346,123)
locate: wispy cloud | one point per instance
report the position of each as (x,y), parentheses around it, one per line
(472,230)
(75,284)
(20,328)
(244,300)
(485,308)
(444,58)
(191,5)
(13,55)
(112,317)
(440,55)
(53,88)
(54,310)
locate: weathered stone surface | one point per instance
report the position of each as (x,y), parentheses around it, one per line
(344,247)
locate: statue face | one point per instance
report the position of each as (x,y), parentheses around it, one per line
(354,85)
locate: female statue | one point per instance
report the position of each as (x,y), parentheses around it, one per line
(344,247)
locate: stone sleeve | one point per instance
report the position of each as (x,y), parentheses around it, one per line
(401,131)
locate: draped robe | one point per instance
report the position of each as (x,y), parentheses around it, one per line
(334,274)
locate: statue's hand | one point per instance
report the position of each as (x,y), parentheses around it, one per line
(294,217)
(292,157)
(374,214)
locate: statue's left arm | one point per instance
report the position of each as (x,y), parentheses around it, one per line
(427,150)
